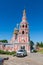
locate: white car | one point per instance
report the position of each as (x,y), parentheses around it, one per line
(21,52)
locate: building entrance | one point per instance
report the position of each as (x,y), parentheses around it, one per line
(22,47)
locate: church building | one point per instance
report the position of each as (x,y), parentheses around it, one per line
(21,37)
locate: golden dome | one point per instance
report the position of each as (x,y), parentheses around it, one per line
(16,31)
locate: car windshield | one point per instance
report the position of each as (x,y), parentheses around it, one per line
(20,50)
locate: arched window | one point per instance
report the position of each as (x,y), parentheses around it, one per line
(23,47)
(23,26)
(26,32)
(26,26)
(22,32)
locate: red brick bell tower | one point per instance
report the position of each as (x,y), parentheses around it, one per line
(23,35)
(24,30)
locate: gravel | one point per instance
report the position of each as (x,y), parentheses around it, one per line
(31,59)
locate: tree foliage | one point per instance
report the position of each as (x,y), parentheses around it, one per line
(31,44)
(4,41)
(40,44)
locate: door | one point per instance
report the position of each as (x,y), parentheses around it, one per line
(23,47)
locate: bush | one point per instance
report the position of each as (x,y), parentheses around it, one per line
(7,52)
(35,51)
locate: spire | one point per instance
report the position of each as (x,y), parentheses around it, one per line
(24,12)
(24,15)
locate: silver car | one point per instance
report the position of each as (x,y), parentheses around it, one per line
(21,52)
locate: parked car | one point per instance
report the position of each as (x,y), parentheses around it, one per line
(21,52)
(1,61)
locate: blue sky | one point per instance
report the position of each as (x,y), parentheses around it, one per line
(11,14)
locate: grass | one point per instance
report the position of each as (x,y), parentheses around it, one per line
(40,51)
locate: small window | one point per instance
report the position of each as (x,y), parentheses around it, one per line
(22,32)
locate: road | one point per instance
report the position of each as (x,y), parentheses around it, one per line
(31,59)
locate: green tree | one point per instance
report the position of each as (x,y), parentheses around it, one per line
(39,44)
(4,41)
(31,45)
